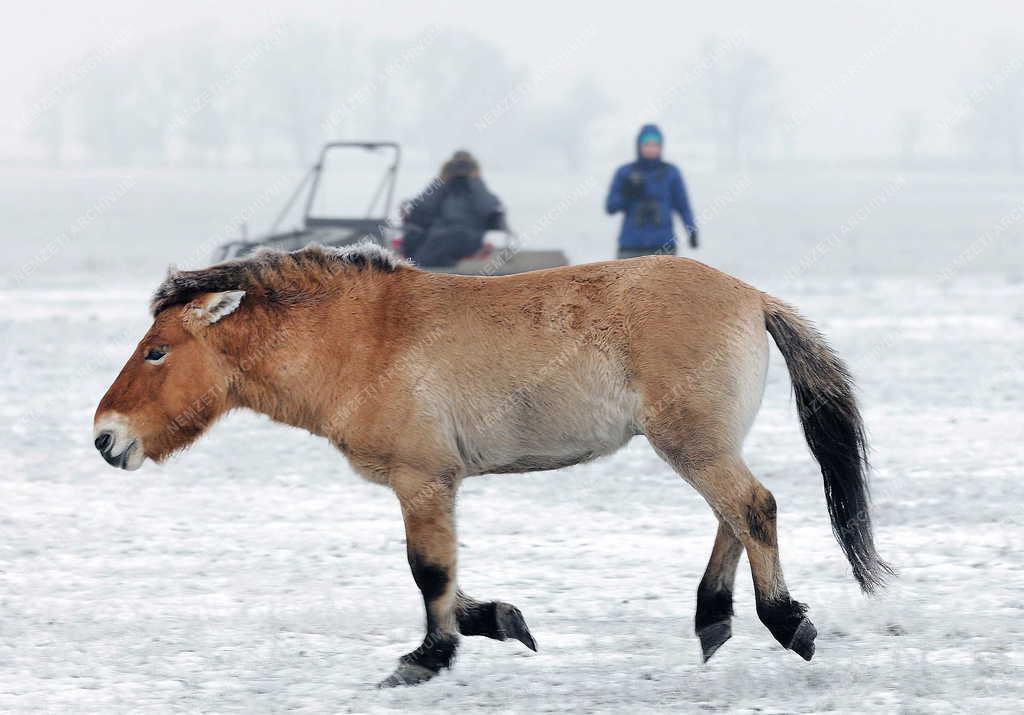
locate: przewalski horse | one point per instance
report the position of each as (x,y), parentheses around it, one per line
(423,379)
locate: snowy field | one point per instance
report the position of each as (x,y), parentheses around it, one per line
(256,573)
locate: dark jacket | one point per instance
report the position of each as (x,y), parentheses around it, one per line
(462,203)
(448,220)
(647,223)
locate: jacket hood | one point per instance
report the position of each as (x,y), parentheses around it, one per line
(462,163)
(647,130)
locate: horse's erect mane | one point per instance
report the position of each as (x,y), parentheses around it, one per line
(273,272)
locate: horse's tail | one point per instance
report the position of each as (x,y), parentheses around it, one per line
(835,434)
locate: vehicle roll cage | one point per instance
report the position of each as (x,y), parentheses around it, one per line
(385,189)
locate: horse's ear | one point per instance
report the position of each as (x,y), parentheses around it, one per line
(211,307)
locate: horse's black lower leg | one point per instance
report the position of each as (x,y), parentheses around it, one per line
(713,622)
(493,619)
(437,651)
(430,545)
(748,509)
(786,620)
(784,617)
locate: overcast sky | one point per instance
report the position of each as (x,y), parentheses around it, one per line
(849,69)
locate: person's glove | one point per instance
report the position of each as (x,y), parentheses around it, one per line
(633,187)
(692,232)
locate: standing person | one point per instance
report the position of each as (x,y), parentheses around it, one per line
(647,191)
(448,220)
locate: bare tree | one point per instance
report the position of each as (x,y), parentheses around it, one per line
(731,95)
(465,94)
(293,87)
(909,133)
(197,76)
(994,125)
(48,114)
(122,108)
(566,126)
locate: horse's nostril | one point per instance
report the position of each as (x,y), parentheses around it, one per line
(103,441)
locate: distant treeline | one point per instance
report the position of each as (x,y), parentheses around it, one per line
(198,97)
(202,97)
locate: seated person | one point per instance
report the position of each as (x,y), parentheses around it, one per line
(448,220)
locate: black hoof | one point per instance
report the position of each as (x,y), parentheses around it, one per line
(802,642)
(435,653)
(510,624)
(712,637)
(407,674)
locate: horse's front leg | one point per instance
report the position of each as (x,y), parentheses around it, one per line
(428,509)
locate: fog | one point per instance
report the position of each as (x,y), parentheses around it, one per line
(251,83)
(892,134)
(859,160)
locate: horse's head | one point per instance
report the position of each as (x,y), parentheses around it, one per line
(174,385)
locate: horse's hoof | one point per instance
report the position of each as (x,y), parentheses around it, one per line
(407,674)
(712,637)
(802,642)
(511,624)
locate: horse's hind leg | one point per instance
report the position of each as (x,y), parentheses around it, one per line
(749,509)
(713,622)
(494,619)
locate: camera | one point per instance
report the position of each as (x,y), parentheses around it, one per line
(648,213)
(634,187)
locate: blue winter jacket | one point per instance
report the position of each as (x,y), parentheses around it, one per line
(648,221)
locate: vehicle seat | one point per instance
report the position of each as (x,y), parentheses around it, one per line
(485,251)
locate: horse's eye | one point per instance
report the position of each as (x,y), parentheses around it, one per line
(155,354)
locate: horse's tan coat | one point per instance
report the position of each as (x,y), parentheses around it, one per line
(422,379)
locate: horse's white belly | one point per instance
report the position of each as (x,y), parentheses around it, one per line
(581,415)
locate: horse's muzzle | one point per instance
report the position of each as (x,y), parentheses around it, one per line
(105,442)
(118,447)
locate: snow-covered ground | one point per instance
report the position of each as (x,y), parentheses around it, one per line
(256,573)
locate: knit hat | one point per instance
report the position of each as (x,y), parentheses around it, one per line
(649,133)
